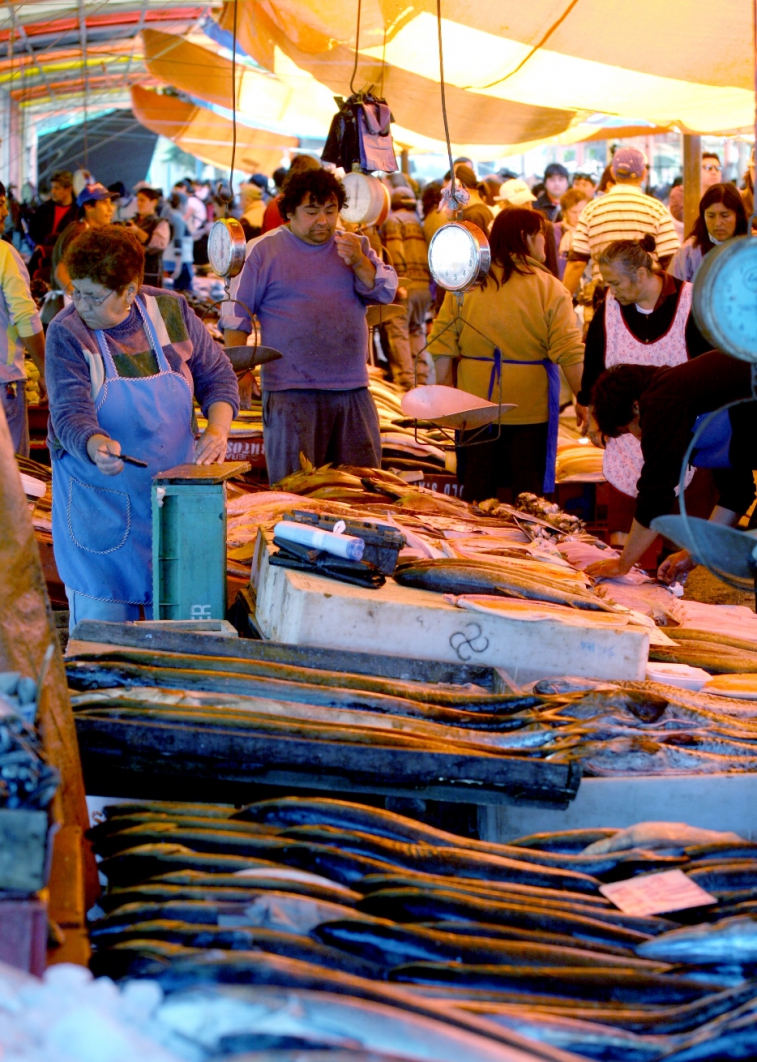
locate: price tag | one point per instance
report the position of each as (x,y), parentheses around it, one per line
(651,894)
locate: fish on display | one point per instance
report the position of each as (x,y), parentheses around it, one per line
(282,911)
(237,937)
(729,941)
(210,1018)
(389,944)
(414,905)
(449,576)
(618,984)
(143,861)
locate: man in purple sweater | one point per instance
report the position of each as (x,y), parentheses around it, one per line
(309,287)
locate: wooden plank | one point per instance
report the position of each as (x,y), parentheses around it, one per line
(205,474)
(67,902)
(26,630)
(137,635)
(231,759)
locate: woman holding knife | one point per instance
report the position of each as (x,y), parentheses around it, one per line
(125,363)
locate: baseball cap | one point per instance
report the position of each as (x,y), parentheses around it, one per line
(516,192)
(629,162)
(556,169)
(91,193)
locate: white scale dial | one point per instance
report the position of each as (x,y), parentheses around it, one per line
(226,247)
(458,256)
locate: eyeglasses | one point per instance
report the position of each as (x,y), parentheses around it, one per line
(77,296)
(712,169)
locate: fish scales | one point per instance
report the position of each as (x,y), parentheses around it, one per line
(94,676)
(467,887)
(192,969)
(501,932)
(434,859)
(238,938)
(389,944)
(284,812)
(413,905)
(151,860)
(574,982)
(413,691)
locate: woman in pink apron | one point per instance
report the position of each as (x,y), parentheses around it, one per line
(645,320)
(125,363)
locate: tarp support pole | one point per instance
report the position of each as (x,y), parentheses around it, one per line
(405,161)
(692,180)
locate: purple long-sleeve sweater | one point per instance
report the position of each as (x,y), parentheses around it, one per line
(74,367)
(311,307)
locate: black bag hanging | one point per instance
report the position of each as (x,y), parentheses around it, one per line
(360,135)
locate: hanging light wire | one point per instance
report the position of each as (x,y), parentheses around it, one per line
(357,48)
(230,200)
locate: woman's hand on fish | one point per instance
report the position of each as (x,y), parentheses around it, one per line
(104,452)
(211,446)
(611,568)
(675,566)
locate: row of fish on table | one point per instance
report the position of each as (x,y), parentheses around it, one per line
(608,728)
(366,931)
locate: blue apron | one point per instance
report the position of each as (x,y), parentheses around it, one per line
(714,444)
(102,525)
(553,400)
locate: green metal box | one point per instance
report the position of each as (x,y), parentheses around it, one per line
(189,541)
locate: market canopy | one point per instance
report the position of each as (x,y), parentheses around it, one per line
(667,61)
(299,99)
(200,132)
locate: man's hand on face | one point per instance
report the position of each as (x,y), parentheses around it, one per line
(349,248)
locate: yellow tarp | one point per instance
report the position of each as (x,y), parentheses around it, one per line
(207,135)
(666,61)
(291,96)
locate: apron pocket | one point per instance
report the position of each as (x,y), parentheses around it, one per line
(98,517)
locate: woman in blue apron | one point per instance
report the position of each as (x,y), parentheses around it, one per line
(125,365)
(505,343)
(662,408)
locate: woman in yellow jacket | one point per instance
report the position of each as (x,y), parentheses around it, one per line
(507,339)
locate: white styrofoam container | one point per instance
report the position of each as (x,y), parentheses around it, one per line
(304,609)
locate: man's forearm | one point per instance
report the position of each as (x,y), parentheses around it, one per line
(574,374)
(637,543)
(234,337)
(573,273)
(365,271)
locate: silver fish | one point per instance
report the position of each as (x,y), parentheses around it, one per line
(206,1017)
(730,941)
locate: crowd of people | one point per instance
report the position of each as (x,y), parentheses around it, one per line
(590,277)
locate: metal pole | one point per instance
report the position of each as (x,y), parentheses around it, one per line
(692,180)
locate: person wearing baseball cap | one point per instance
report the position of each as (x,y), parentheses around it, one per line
(96,206)
(625,212)
(556,183)
(515,193)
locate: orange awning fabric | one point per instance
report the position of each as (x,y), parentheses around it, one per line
(679,62)
(293,94)
(209,136)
